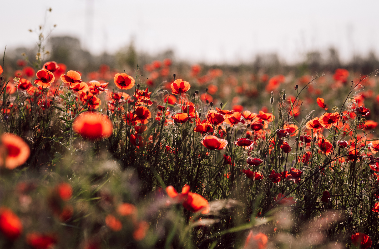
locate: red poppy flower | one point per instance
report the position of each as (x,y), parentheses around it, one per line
(329,119)
(51,66)
(341,75)
(191,201)
(28,71)
(137,140)
(361,240)
(254,161)
(285,147)
(142,114)
(41,241)
(44,78)
(24,84)
(204,128)
(244,142)
(266,116)
(281,133)
(314,124)
(370,124)
(10,89)
(64,191)
(214,143)
(306,139)
(253,175)
(275,177)
(126,209)
(321,103)
(124,81)
(291,129)
(113,223)
(179,86)
(258,125)
(15,150)
(325,146)
(248,115)
(233,119)
(93,126)
(342,143)
(258,241)
(72,78)
(206,97)
(189,108)
(363,111)
(376,208)
(1,70)
(180,117)
(171,99)
(10,224)
(227,159)
(215,118)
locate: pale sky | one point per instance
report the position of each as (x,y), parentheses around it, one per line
(212,31)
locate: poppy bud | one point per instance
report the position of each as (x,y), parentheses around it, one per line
(174,76)
(196,92)
(211,104)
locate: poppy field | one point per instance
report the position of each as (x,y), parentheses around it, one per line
(162,156)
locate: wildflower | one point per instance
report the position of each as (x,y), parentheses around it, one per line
(24,84)
(296,173)
(342,143)
(243,142)
(258,241)
(124,81)
(215,118)
(227,159)
(254,161)
(325,146)
(126,209)
(181,117)
(64,191)
(51,66)
(195,70)
(28,71)
(321,103)
(376,208)
(341,75)
(204,127)
(206,97)
(233,119)
(72,78)
(274,176)
(329,119)
(214,143)
(41,241)
(363,111)
(248,115)
(370,124)
(291,129)
(266,116)
(191,201)
(10,224)
(179,86)
(93,125)
(171,99)
(285,147)
(113,223)
(140,233)
(257,125)
(44,78)
(253,175)
(314,124)
(361,240)
(141,115)
(189,108)
(1,69)
(281,133)
(14,149)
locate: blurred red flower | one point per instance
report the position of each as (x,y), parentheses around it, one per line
(191,201)
(321,103)
(258,241)
(214,143)
(41,241)
(254,161)
(14,149)
(93,126)
(361,240)
(10,224)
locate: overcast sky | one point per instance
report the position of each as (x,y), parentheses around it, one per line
(200,30)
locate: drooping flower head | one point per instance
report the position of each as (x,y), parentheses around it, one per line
(44,78)
(93,125)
